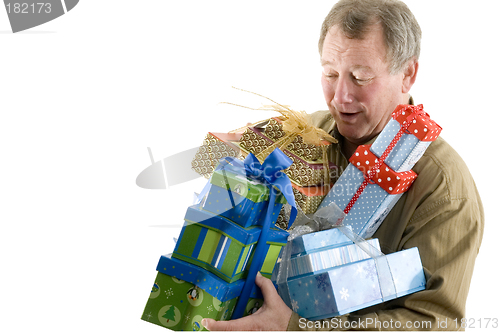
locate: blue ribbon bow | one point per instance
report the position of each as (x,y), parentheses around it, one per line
(269,172)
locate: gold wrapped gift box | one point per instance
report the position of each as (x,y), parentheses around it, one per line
(215,147)
(302,172)
(274,130)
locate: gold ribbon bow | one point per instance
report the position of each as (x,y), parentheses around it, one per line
(295,123)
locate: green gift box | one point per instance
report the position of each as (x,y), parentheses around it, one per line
(183,294)
(240,198)
(222,247)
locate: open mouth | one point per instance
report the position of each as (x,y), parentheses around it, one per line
(348,117)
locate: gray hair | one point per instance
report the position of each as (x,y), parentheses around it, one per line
(402,33)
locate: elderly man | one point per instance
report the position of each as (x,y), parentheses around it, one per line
(369,53)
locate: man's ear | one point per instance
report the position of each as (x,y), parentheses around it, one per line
(410,75)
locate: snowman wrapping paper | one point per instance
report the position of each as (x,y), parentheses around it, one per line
(183,294)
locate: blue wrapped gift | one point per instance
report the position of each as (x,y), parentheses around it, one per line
(325,259)
(337,291)
(318,241)
(223,247)
(377,198)
(347,288)
(240,198)
(421,132)
(386,180)
(405,153)
(407,271)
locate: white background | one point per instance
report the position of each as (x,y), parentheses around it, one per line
(83,96)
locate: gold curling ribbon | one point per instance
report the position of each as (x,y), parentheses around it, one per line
(295,123)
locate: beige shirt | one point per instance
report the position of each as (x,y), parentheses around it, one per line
(443,216)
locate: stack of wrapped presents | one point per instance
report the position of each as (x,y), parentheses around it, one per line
(218,245)
(320,274)
(330,275)
(340,270)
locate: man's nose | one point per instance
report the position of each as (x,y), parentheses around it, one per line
(343,91)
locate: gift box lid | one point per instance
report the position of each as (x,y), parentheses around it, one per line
(392,182)
(318,241)
(413,142)
(246,236)
(422,126)
(247,187)
(200,277)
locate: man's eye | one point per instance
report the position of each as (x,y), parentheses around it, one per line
(362,81)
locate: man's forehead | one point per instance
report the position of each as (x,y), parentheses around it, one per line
(363,54)
(327,62)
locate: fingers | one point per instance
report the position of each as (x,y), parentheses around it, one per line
(266,286)
(241,324)
(273,315)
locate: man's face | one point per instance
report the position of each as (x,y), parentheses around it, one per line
(359,90)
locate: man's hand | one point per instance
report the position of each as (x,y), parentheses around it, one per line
(272,316)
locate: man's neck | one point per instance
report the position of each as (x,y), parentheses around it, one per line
(348,148)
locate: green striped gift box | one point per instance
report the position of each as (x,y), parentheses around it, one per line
(222,246)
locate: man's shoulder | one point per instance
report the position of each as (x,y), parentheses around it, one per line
(323,120)
(442,167)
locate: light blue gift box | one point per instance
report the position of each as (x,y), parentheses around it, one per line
(336,291)
(405,153)
(318,241)
(347,288)
(407,271)
(325,259)
(371,207)
(374,204)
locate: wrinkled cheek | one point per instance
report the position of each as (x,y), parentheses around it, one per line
(328,91)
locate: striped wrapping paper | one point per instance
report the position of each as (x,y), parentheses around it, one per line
(321,260)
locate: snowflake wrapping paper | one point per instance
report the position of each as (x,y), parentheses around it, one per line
(347,288)
(223,247)
(239,198)
(183,294)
